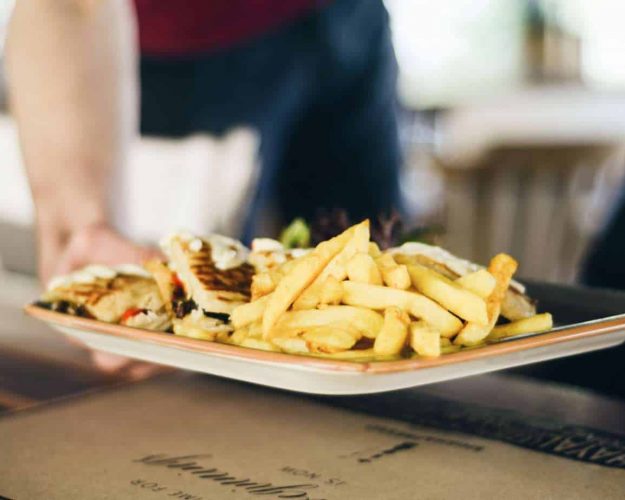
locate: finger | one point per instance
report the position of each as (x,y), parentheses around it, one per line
(141,371)
(110,363)
(127,368)
(148,253)
(67,262)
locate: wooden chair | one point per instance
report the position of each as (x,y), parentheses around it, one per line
(542,204)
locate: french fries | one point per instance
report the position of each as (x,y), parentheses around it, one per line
(419,306)
(300,277)
(449,294)
(393,274)
(259,344)
(361,268)
(348,300)
(337,269)
(481,283)
(367,322)
(329,339)
(374,250)
(291,345)
(262,284)
(425,340)
(291,286)
(502,267)
(331,292)
(392,337)
(246,314)
(535,324)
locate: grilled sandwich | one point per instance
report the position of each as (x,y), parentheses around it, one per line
(205,280)
(127,295)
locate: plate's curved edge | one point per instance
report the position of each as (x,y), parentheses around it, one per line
(190,344)
(575,332)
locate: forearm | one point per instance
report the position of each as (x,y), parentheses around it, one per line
(72,88)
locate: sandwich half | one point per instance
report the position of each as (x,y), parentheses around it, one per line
(205,280)
(126,295)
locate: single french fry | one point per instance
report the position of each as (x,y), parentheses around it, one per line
(328,339)
(419,306)
(424,340)
(223,337)
(291,345)
(473,334)
(309,299)
(255,330)
(239,335)
(186,327)
(396,277)
(367,322)
(248,313)
(386,260)
(449,294)
(481,283)
(286,267)
(534,324)
(289,289)
(331,291)
(374,249)
(262,284)
(392,336)
(502,267)
(393,274)
(262,345)
(361,268)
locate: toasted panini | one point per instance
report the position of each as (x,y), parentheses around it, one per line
(213,289)
(108,299)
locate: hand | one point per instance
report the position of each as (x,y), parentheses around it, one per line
(94,244)
(126,368)
(102,245)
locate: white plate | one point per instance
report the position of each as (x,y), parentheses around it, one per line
(327,376)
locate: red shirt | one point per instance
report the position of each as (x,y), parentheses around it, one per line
(178,27)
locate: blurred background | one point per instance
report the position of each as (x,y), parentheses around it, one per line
(513,130)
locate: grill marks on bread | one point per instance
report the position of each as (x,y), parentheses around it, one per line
(237,279)
(108,299)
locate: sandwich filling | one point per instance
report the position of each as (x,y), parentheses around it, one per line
(205,280)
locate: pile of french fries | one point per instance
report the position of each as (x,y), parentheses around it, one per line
(348,300)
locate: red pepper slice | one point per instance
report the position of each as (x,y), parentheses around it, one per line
(176,281)
(129,313)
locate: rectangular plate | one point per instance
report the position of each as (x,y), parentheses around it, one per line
(587,319)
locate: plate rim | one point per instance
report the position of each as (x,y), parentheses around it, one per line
(563,334)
